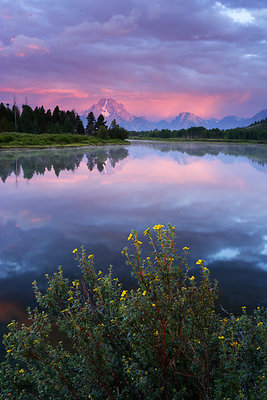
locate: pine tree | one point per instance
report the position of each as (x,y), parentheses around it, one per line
(91,124)
(26,119)
(79,128)
(100,122)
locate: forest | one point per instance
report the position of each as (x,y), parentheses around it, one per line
(255,132)
(39,121)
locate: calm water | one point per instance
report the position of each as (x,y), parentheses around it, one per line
(52,201)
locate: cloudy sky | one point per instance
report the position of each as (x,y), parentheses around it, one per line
(158,57)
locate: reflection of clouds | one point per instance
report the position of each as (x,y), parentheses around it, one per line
(225,254)
(218,209)
(264,249)
(8,267)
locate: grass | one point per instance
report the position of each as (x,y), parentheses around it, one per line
(28,140)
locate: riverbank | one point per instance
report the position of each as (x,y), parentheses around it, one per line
(187,140)
(26,140)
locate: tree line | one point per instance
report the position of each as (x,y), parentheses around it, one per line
(253,132)
(39,121)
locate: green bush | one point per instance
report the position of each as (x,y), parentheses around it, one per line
(163,340)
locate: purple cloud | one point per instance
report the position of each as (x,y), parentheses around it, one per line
(157,57)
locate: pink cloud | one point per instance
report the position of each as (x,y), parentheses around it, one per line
(157,58)
(22,44)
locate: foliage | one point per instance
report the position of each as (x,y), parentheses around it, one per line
(257,132)
(163,340)
(39,121)
(13,139)
(91,122)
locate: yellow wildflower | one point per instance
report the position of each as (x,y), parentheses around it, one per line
(123,294)
(146,232)
(75,251)
(90,256)
(148,258)
(259,324)
(185,248)
(158,227)
(130,236)
(221,337)
(258,348)
(200,261)
(192,278)
(138,241)
(144,293)
(156,333)
(153,305)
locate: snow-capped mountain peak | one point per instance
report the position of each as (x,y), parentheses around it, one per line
(110,109)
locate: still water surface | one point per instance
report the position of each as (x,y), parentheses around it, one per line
(52,201)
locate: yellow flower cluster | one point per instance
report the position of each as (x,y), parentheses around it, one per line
(158,227)
(123,294)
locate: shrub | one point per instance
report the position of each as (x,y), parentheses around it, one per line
(163,340)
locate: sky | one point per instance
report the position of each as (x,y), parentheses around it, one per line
(157,57)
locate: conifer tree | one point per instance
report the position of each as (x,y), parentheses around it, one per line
(91,124)
(79,128)
(100,122)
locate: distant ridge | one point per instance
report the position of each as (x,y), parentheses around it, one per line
(113,110)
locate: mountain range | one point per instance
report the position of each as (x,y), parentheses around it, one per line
(113,110)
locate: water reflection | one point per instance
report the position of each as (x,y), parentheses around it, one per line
(55,200)
(38,162)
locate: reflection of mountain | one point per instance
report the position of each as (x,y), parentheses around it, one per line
(255,153)
(38,162)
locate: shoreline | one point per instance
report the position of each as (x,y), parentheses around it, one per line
(184,140)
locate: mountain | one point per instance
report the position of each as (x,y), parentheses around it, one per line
(110,109)
(185,120)
(113,110)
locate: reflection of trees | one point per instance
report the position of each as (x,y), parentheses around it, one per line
(256,153)
(100,157)
(31,163)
